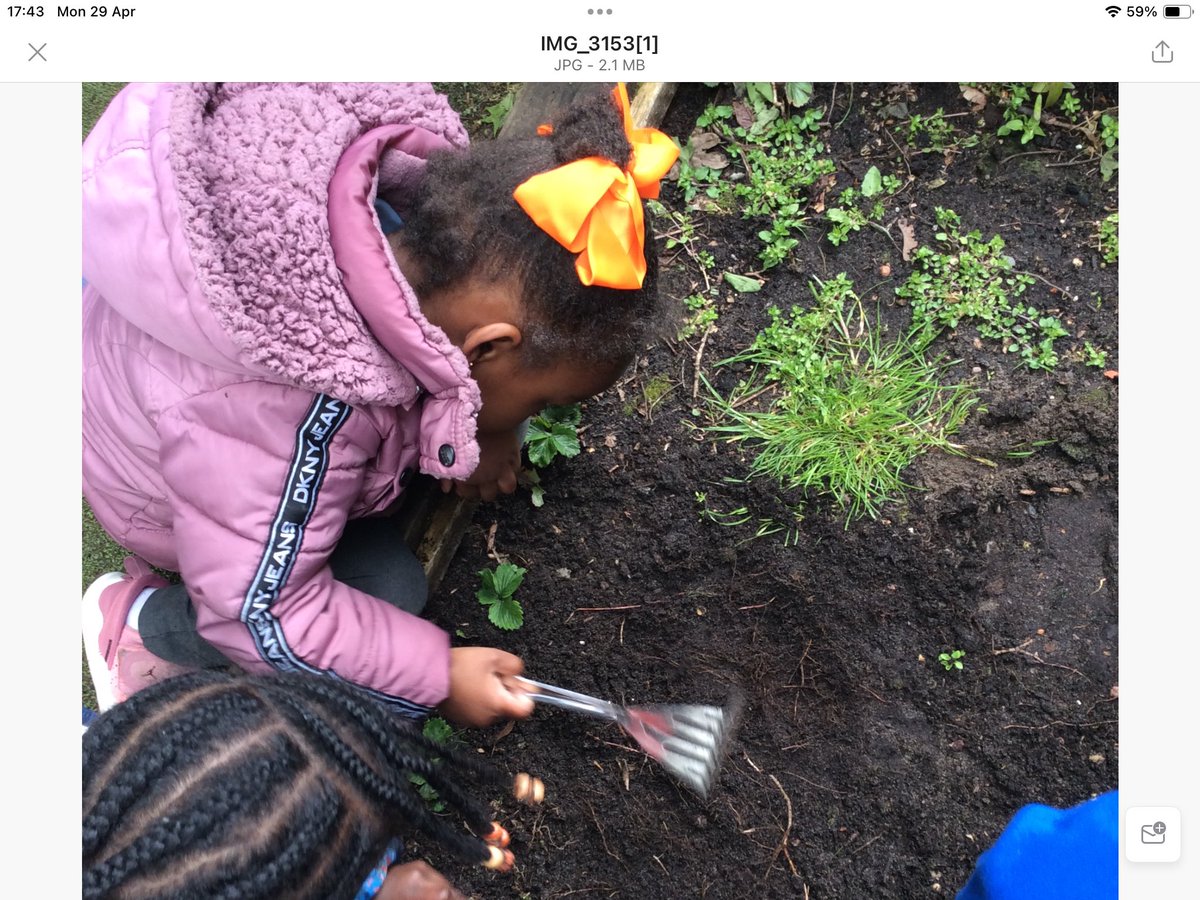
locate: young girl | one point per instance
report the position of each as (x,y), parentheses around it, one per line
(297,296)
(214,785)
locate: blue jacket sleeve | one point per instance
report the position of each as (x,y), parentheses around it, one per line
(1067,854)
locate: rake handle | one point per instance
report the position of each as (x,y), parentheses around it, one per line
(571,700)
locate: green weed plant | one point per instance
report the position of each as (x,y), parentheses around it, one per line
(1107,238)
(840,410)
(780,158)
(934,132)
(965,279)
(857,207)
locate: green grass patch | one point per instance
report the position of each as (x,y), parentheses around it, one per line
(96,97)
(831,407)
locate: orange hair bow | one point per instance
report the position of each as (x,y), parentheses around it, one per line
(593,207)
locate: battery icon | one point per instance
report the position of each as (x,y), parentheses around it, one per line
(1177,12)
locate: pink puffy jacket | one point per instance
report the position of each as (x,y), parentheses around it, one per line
(256,369)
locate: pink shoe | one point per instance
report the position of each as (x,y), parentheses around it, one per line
(119,663)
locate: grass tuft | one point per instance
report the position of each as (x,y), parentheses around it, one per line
(832,408)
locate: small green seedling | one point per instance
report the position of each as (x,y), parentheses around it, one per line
(496,593)
(1018,119)
(952,660)
(938,133)
(1094,356)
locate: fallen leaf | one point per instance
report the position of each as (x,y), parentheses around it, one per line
(872,182)
(711,159)
(610,441)
(1110,373)
(1096,758)
(704,140)
(743,113)
(1114,692)
(935,184)
(798,93)
(909,234)
(976,97)
(504,732)
(824,183)
(743,284)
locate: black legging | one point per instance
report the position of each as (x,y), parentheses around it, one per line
(371,557)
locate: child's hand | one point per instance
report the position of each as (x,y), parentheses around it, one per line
(482,689)
(417,880)
(499,463)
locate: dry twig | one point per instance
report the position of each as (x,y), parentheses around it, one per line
(786,832)
(1020,648)
(699,353)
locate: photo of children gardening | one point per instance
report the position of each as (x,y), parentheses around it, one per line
(769,431)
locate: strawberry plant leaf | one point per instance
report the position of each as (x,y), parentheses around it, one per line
(487,587)
(552,433)
(798,92)
(506,614)
(565,440)
(507,579)
(496,593)
(569,414)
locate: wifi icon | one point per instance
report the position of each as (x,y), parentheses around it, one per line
(1112,11)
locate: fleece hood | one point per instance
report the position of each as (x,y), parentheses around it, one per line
(250,242)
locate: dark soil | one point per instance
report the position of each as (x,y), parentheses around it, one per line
(860,768)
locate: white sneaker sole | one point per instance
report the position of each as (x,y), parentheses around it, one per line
(93,624)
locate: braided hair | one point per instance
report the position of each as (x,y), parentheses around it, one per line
(464,223)
(237,786)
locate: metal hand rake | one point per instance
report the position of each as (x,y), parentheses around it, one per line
(686,739)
